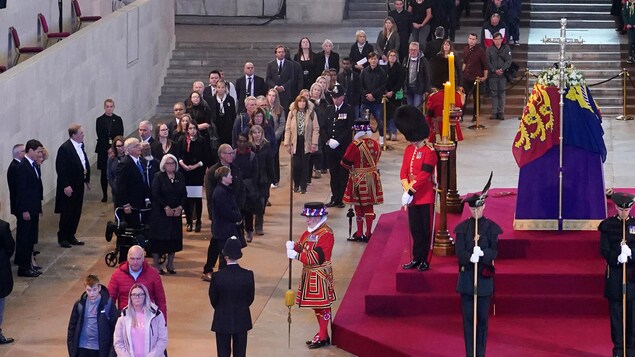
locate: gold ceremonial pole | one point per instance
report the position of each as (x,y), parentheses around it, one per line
(624,75)
(476,237)
(289,295)
(477,106)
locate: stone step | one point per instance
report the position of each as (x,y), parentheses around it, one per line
(559,6)
(572,17)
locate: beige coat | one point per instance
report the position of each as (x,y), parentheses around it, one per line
(311,129)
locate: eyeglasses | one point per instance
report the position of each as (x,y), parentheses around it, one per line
(139,295)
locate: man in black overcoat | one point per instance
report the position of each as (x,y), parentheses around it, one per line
(73,172)
(340,118)
(12,176)
(132,186)
(7,246)
(231,292)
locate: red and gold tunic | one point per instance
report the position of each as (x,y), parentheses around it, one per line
(416,173)
(316,286)
(435,109)
(364,184)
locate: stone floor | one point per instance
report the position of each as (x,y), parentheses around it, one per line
(37,311)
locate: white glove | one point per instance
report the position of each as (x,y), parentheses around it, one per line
(406,198)
(333,144)
(626,250)
(474,258)
(622,258)
(477,250)
(290,245)
(291,254)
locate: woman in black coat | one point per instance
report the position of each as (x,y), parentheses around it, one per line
(247,161)
(195,153)
(225,113)
(200,112)
(264,153)
(7,246)
(169,196)
(359,51)
(394,83)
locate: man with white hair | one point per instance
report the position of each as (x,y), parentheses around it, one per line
(145,131)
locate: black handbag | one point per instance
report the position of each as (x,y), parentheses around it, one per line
(510,72)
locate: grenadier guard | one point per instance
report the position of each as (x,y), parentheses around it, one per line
(617,240)
(417,179)
(363,189)
(316,285)
(480,254)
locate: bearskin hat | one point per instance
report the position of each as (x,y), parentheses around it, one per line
(411,123)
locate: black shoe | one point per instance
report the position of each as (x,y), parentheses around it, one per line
(423,266)
(4,340)
(413,264)
(74,241)
(30,273)
(172,271)
(104,199)
(366,237)
(188,227)
(36,267)
(318,344)
(161,271)
(64,244)
(331,204)
(315,339)
(500,116)
(296,189)
(198,227)
(473,119)
(340,205)
(355,238)
(303,191)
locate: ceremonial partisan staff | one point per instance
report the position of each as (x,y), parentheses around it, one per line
(289,295)
(479,203)
(624,290)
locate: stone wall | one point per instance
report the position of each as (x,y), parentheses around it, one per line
(123,56)
(298,11)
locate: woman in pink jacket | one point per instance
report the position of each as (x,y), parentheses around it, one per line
(141,330)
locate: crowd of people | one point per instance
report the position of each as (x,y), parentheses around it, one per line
(224,141)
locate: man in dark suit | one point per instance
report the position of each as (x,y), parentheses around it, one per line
(340,119)
(178,110)
(73,172)
(108,126)
(18,155)
(210,91)
(231,292)
(145,131)
(29,207)
(349,79)
(327,59)
(132,187)
(249,85)
(280,76)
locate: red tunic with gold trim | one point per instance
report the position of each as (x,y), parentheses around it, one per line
(416,172)
(364,184)
(435,109)
(316,285)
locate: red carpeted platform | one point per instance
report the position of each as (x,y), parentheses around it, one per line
(549,294)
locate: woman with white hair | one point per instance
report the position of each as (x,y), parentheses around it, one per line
(141,328)
(327,58)
(166,228)
(359,51)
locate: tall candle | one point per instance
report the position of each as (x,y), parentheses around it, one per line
(447,94)
(451,76)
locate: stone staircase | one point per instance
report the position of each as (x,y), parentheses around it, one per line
(580,13)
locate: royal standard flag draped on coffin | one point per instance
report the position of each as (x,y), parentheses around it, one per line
(540,123)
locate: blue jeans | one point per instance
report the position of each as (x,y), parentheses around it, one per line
(376,110)
(414,99)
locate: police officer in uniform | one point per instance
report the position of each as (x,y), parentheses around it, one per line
(340,118)
(616,254)
(480,255)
